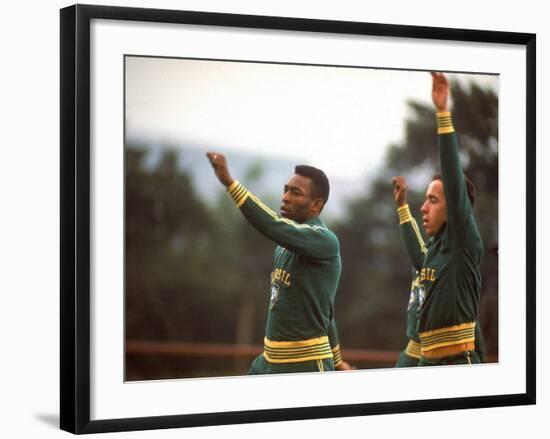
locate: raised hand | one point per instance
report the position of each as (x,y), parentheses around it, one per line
(400,189)
(440,91)
(219,164)
(344,365)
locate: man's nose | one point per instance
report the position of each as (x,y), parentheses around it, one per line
(423,208)
(285,197)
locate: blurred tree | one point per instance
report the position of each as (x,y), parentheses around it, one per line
(374,287)
(166,242)
(194,272)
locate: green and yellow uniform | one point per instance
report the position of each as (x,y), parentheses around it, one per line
(416,251)
(300,333)
(450,277)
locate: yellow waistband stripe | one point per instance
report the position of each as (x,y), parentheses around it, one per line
(295,344)
(449,336)
(297,351)
(450,351)
(413,349)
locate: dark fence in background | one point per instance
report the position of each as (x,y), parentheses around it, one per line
(150,360)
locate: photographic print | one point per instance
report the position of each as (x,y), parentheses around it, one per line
(275,218)
(202,280)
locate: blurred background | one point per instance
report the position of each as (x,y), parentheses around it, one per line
(197,274)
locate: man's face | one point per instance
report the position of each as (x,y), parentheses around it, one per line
(434,209)
(297,203)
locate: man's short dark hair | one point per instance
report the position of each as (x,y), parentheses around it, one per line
(469,186)
(320,186)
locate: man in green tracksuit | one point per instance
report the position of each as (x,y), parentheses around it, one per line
(450,278)
(416,251)
(300,333)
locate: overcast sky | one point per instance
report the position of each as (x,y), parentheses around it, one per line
(339,119)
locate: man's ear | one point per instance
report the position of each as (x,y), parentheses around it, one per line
(317,205)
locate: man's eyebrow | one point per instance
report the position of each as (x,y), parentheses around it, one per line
(293,188)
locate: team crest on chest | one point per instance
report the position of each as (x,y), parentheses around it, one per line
(274,295)
(421,295)
(414,295)
(412,298)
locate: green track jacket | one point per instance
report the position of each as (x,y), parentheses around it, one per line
(306,271)
(450,277)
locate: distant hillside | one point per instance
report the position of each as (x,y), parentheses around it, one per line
(263,175)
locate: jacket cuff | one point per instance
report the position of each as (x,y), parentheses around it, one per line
(444,122)
(404,214)
(238,192)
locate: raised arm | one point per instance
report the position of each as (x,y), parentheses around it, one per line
(459,208)
(314,241)
(408,228)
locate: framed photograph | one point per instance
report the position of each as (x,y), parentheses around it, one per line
(183,132)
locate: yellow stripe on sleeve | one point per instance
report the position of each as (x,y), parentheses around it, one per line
(404,214)
(423,248)
(444,122)
(238,192)
(337,355)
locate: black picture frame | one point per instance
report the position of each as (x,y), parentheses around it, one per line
(76,210)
